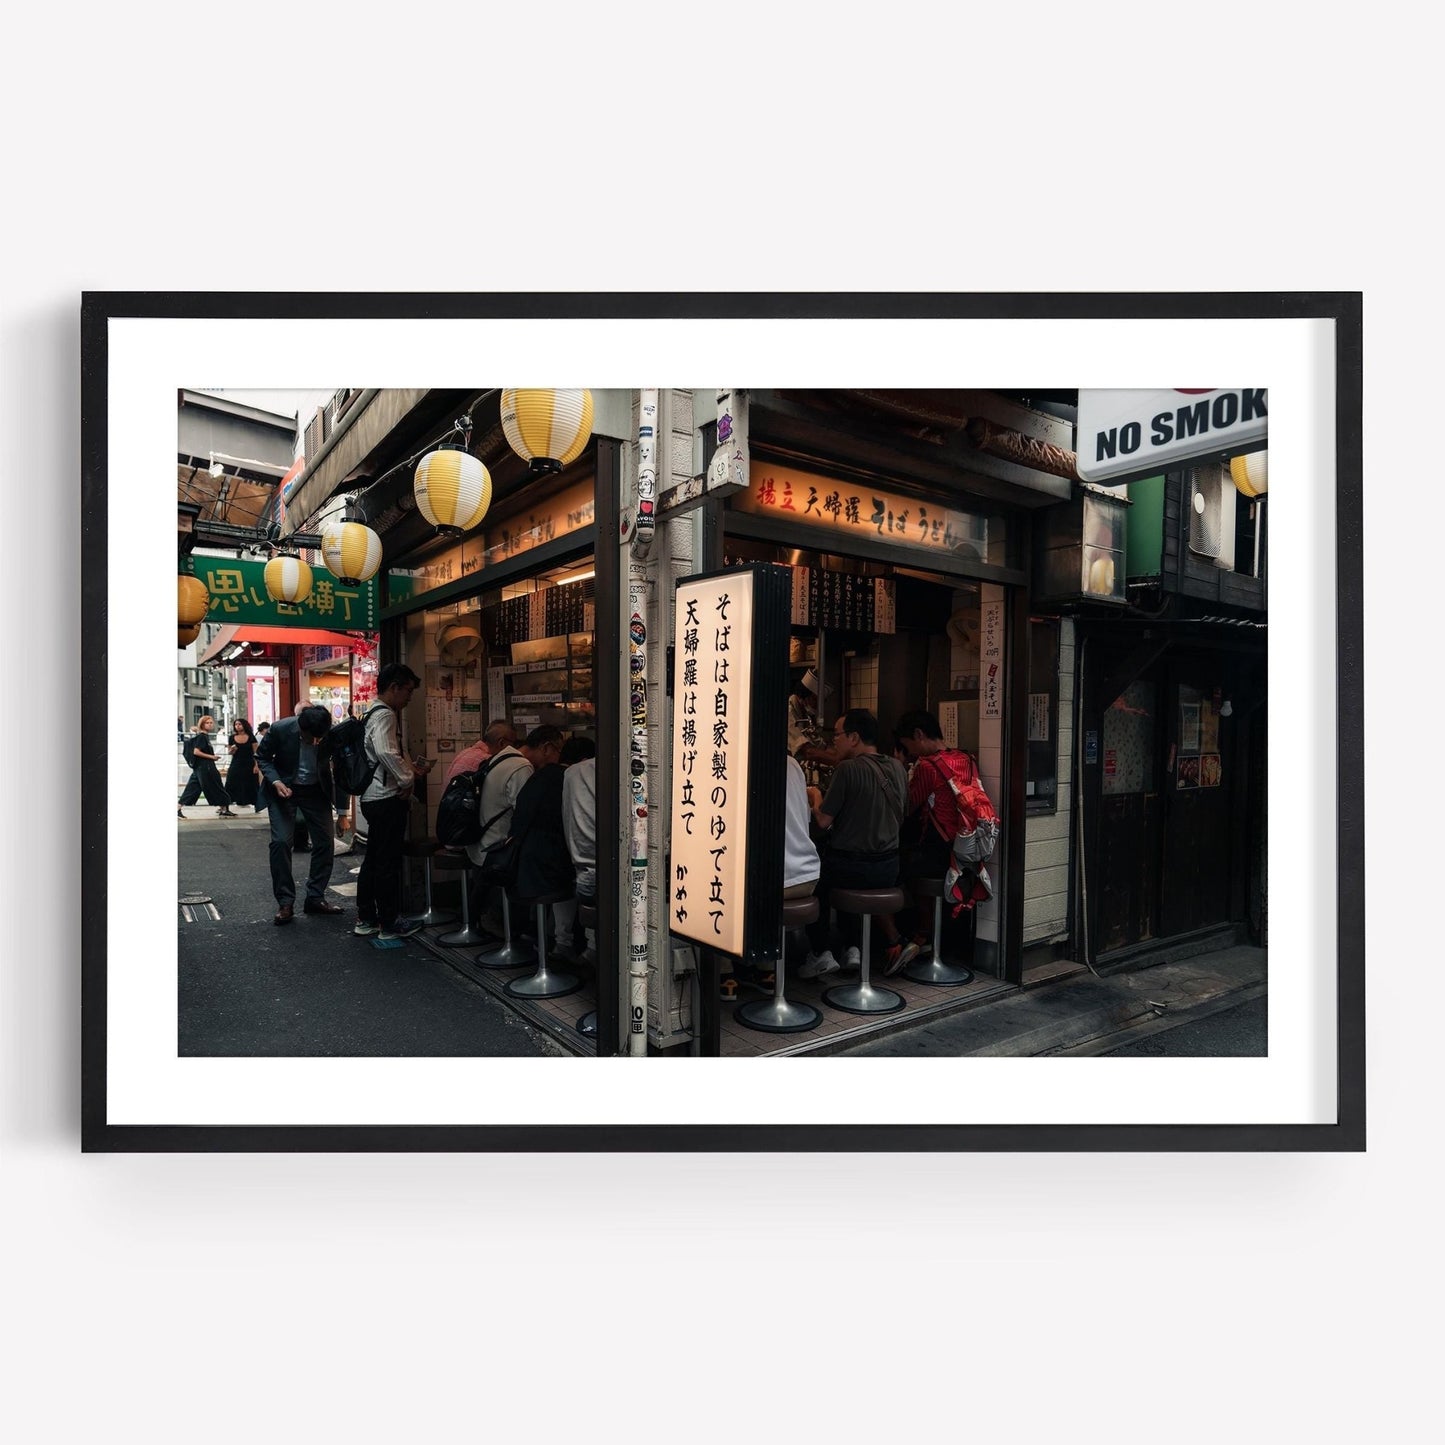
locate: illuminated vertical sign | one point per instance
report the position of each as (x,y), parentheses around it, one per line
(729,743)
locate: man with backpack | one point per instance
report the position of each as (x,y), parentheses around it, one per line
(507,772)
(386,804)
(941,781)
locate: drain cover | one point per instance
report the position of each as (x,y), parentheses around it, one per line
(196,906)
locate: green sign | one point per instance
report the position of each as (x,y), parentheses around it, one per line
(238,595)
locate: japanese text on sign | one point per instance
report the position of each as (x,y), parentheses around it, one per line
(713,691)
(238,595)
(990,682)
(861,511)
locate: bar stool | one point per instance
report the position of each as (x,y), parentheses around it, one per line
(543,984)
(776,1015)
(933,969)
(514,953)
(425,849)
(587,917)
(862,997)
(466,934)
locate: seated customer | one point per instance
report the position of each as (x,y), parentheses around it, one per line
(579,825)
(860,816)
(544,865)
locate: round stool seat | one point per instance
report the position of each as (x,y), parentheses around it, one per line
(867,900)
(927,887)
(445,858)
(797,912)
(545,900)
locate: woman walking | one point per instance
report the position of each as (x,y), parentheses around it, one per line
(241,776)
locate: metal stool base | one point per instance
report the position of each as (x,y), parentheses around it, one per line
(543,984)
(778,1016)
(436,917)
(511,955)
(863,998)
(936,971)
(463,938)
(587,1025)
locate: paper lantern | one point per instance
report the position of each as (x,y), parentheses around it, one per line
(192,600)
(351,551)
(288,579)
(547,428)
(453,490)
(458,641)
(1250,474)
(187,635)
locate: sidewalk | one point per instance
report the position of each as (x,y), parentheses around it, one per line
(1083,1014)
(311,988)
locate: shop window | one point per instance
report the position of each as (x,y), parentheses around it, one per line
(1041,779)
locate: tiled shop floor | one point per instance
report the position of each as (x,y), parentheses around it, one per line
(559,1017)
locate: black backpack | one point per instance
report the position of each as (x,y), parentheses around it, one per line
(188,750)
(352,768)
(459,813)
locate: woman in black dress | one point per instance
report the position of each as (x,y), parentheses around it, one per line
(241,780)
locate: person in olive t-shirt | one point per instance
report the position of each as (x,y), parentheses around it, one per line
(859,819)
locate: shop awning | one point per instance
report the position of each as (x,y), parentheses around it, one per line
(272,636)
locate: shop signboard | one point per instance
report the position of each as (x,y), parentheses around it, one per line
(238,595)
(724,889)
(1129,435)
(852,512)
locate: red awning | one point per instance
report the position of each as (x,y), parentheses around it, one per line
(274,636)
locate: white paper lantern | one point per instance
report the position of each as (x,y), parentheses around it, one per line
(351,551)
(288,579)
(547,427)
(453,490)
(1250,474)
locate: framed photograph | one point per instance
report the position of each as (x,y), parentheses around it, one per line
(365,516)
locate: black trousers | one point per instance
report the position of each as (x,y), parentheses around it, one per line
(312,805)
(842,871)
(378,885)
(205,777)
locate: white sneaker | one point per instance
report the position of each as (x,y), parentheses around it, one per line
(852,959)
(817,964)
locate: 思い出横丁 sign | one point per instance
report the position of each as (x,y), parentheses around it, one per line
(238,595)
(1132,434)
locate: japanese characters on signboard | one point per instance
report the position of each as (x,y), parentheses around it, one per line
(854,511)
(710,764)
(990,680)
(238,596)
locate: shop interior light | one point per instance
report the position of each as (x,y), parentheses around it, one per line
(568,580)
(453,490)
(287,578)
(547,427)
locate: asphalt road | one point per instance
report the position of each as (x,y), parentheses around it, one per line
(248,988)
(1238,1032)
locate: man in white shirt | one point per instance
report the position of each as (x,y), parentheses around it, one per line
(386,804)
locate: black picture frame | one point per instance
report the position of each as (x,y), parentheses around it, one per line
(1344,310)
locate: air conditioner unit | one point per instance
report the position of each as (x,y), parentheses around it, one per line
(1211,515)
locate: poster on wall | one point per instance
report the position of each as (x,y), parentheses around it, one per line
(143,1091)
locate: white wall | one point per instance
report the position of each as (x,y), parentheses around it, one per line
(1046,841)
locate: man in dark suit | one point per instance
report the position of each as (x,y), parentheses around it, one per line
(296,763)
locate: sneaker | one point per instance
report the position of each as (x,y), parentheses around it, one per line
(921,945)
(852,960)
(402,928)
(909,951)
(817,964)
(894,957)
(366,930)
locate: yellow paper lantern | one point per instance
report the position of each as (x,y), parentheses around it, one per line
(288,579)
(187,635)
(192,600)
(549,427)
(1250,474)
(453,490)
(351,551)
